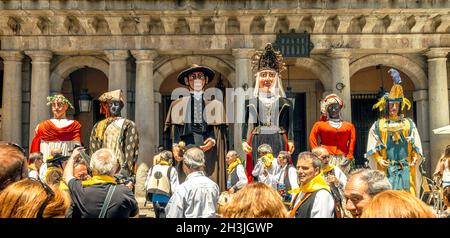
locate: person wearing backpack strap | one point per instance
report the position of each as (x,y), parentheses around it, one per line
(99,196)
(162,180)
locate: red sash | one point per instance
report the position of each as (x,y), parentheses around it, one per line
(47,131)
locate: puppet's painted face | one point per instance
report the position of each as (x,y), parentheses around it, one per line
(394,108)
(59,109)
(334,110)
(114,108)
(197,81)
(266,79)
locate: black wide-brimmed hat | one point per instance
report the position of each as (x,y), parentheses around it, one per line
(195,68)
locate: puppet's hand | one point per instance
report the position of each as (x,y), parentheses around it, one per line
(346,162)
(247,149)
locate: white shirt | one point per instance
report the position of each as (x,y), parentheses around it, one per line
(33,174)
(292,176)
(195,198)
(242,177)
(323,204)
(446,173)
(271,178)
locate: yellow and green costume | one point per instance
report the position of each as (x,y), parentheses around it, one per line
(396,140)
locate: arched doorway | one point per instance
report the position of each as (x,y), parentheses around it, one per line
(307,87)
(96,82)
(368,85)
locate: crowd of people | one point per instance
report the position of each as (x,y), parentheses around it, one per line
(311,189)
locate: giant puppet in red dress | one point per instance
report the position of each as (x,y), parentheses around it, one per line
(336,135)
(58,134)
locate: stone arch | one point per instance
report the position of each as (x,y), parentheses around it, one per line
(319,69)
(165,69)
(402,63)
(71,64)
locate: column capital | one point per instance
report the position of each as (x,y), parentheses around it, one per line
(142,55)
(117,55)
(433,53)
(39,55)
(11,55)
(420,95)
(243,53)
(339,53)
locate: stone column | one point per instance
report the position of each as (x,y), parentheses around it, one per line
(144,113)
(243,76)
(40,87)
(421,99)
(340,70)
(12,96)
(118,73)
(438,99)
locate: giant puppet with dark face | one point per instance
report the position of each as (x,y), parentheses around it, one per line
(116,133)
(394,145)
(268,113)
(336,135)
(198,121)
(58,134)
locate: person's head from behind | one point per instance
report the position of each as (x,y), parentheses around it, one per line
(103,162)
(193,160)
(54,177)
(397,204)
(165,156)
(283,158)
(30,198)
(13,165)
(243,204)
(37,159)
(361,187)
(232,156)
(446,195)
(308,167)
(80,170)
(323,155)
(264,149)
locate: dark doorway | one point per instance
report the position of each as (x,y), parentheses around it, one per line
(363,117)
(299,125)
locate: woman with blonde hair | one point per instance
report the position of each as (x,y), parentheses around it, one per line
(243,205)
(30,198)
(442,172)
(397,204)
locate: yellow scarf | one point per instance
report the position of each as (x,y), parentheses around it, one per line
(32,167)
(233,165)
(99,179)
(267,160)
(328,168)
(162,162)
(63,186)
(50,169)
(315,184)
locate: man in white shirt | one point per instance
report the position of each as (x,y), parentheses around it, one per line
(314,199)
(266,168)
(197,197)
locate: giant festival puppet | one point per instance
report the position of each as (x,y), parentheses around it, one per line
(116,133)
(196,120)
(56,135)
(394,144)
(268,113)
(334,134)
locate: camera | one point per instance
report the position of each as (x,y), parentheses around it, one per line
(122,179)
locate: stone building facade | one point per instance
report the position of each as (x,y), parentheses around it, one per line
(50,46)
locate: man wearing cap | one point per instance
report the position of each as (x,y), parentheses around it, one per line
(336,135)
(197,197)
(197,121)
(56,134)
(116,133)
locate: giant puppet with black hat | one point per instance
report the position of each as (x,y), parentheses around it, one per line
(268,113)
(116,133)
(196,120)
(393,144)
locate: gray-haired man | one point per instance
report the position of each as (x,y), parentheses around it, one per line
(197,197)
(361,187)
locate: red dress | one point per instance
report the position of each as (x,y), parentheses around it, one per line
(336,141)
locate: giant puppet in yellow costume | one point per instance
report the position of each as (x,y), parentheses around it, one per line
(393,144)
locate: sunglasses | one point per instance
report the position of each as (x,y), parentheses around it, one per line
(50,195)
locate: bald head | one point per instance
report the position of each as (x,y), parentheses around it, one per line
(13,165)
